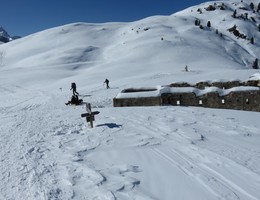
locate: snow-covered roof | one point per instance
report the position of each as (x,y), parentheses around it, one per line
(158,91)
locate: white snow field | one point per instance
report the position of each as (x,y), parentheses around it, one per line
(48,152)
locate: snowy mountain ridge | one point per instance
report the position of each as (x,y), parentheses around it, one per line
(5,37)
(3,32)
(169,41)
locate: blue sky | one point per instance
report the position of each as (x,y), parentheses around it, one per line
(24,17)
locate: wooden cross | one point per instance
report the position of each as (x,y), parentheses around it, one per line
(90,116)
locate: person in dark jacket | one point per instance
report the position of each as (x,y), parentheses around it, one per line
(74,100)
(74,88)
(107,83)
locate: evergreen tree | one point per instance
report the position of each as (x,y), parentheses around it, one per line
(236,33)
(252,6)
(199,10)
(209,24)
(234,14)
(255,64)
(246,15)
(197,22)
(252,40)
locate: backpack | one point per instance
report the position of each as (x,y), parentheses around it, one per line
(74,99)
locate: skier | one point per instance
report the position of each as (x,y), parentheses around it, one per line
(107,83)
(186,68)
(74,88)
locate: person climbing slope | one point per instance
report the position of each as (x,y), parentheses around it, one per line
(74,88)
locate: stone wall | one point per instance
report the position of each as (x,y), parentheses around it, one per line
(141,101)
(243,100)
(239,100)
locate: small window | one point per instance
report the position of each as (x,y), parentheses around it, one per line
(178,102)
(247,101)
(200,102)
(223,101)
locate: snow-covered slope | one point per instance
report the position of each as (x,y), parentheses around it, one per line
(147,47)
(48,151)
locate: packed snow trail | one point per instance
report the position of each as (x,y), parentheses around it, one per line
(49,152)
(26,172)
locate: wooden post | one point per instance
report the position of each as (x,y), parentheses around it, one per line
(90,116)
(88,108)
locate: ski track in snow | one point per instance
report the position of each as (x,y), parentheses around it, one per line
(53,162)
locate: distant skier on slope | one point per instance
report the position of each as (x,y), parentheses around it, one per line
(107,83)
(186,68)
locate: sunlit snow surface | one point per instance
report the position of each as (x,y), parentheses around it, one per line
(47,151)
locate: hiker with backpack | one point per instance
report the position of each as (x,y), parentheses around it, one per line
(74,88)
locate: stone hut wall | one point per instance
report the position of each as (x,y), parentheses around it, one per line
(210,100)
(242,100)
(239,100)
(141,101)
(184,99)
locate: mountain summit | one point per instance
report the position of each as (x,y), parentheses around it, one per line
(5,37)
(3,32)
